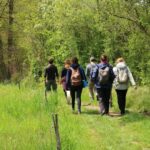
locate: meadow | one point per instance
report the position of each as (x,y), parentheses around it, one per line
(26,122)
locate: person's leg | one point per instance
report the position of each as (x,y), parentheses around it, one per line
(101,105)
(91,90)
(65,93)
(110,100)
(73,97)
(79,92)
(64,88)
(124,92)
(48,86)
(105,99)
(68,97)
(121,94)
(54,86)
(119,98)
(96,93)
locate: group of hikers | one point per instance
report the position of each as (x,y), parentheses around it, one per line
(99,78)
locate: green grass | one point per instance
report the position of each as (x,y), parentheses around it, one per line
(26,122)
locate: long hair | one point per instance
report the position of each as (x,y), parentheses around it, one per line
(74,60)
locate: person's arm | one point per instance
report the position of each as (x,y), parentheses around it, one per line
(83,74)
(45,75)
(131,77)
(115,71)
(112,74)
(63,75)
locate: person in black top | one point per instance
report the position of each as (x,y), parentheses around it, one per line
(67,64)
(50,74)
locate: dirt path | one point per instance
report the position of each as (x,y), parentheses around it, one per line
(96,108)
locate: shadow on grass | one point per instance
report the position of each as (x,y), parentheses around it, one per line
(86,104)
(96,112)
(114,114)
(132,117)
(91,112)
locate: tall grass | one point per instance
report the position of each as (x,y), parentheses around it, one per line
(26,122)
(137,99)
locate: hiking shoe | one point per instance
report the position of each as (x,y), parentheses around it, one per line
(122,113)
(104,113)
(79,112)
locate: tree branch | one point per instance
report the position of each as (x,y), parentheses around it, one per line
(138,23)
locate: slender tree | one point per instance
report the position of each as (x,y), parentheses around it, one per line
(11,66)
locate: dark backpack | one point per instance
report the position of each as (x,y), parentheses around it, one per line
(92,70)
(104,75)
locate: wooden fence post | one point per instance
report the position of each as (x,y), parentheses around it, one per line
(56,127)
(46,96)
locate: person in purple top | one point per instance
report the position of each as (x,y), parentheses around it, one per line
(103,77)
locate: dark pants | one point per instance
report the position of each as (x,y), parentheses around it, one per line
(51,85)
(121,95)
(65,93)
(76,91)
(104,96)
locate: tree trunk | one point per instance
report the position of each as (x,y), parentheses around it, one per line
(11,66)
(2,64)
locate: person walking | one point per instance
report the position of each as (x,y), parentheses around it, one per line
(89,68)
(50,75)
(103,77)
(67,64)
(121,82)
(74,80)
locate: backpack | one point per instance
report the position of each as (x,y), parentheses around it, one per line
(103,75)
(92,70)
(122,75)
(75,77)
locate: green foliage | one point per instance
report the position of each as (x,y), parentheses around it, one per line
(66,28)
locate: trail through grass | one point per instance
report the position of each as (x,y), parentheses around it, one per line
(26,123)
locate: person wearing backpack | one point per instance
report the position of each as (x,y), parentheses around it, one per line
(67,64)
(74,80)
(50,75)
(89,69)
(103,77)
(123,76)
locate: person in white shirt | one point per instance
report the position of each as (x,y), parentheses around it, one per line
(121,82)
